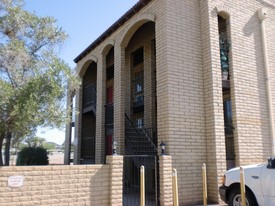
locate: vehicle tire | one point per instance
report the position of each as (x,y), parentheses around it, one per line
(235,198)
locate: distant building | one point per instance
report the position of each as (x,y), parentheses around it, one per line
(189,73)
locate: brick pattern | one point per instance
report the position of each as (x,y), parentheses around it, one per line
(215,139)
(64,185)
(165,176)
(101,95)
(248,85)
(116,183)
(186,126)
(56,185)
(189,88)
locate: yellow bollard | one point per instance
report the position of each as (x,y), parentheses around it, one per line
(242,186)
(175,188)
(204,184)
(142,186)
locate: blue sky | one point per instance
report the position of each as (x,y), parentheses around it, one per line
(84,21)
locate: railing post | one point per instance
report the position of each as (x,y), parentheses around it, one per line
(242,186)
(142,187)
(175,188)
(204,183)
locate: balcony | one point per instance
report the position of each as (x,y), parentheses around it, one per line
(89,99)
(138,95)
(109,116)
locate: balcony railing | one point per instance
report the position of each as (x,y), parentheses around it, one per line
(89,97)
(229,142)
(137,95)
(109,115)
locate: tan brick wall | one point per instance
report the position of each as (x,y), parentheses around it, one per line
(215,139)
(165,180)
(116,180)
(100,132)
(186,125)
(189,89)
(64,185)
(248,89)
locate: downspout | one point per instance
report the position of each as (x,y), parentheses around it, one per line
(262,15)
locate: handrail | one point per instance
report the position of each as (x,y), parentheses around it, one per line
(149,137)
(129,121)
(144,131)
(229,126)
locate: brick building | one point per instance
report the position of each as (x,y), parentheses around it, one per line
(193,74)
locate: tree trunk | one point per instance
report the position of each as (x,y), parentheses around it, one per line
(1,144)
(7,149)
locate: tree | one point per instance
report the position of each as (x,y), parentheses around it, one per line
(34,141)
(33,80)
(32,156)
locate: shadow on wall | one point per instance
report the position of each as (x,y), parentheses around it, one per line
(267,3)
(252,28)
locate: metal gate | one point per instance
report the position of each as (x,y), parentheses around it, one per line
(131,180)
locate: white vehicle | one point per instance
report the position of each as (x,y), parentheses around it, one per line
(259,185)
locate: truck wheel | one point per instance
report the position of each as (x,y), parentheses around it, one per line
(236,200)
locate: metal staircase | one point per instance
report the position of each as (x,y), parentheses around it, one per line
(138,141)
(140,149)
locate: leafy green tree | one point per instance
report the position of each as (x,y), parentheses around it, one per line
(32,156)
(33,80)
(34,141)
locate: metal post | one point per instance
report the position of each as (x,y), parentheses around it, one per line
(142,187)
(262,15)
(175,188)
(204,184)
(242,186)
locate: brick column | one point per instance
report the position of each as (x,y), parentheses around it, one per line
(215,139)
(116,179)
(100,111)
(165,180)
(119,98)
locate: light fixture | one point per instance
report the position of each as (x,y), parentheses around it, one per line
(114,147)
(162,147)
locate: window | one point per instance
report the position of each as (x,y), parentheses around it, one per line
(138,56)
(139,120)
(138,82)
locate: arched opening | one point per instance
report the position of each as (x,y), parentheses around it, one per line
(224,42)
(88,123)
(141,110)
(141,104)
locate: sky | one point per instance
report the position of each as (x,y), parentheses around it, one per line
(84,21)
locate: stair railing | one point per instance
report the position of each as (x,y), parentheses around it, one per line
(130,123)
